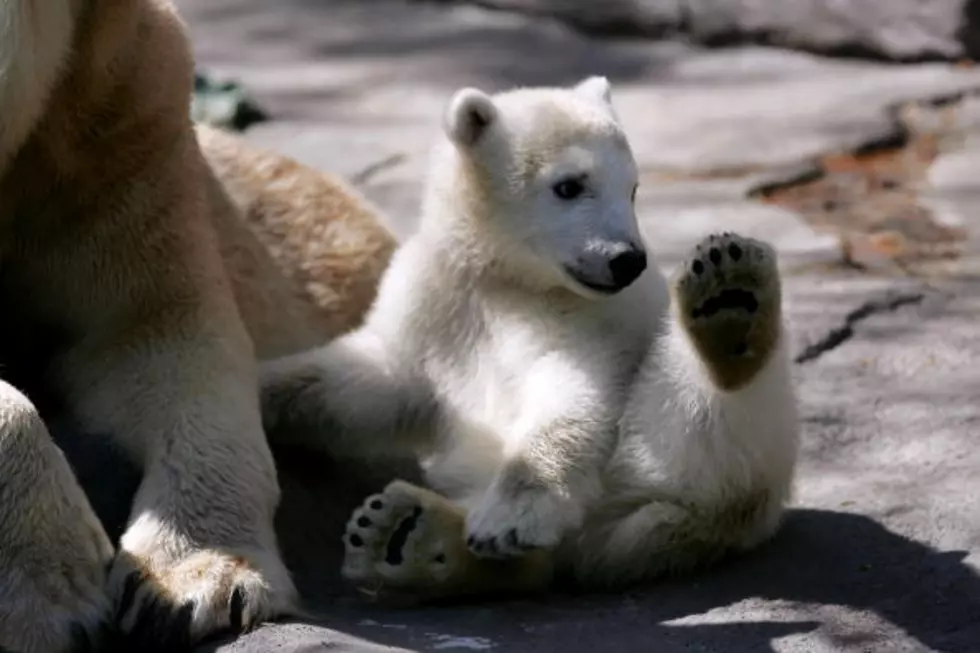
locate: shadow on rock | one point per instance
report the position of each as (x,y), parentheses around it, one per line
(822,564)
(820,561)
(836,559)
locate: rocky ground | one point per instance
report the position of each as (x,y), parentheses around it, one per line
(864,175)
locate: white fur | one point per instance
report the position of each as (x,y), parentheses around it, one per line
(550,410)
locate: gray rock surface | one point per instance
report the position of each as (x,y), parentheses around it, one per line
(897,29)
(882,548)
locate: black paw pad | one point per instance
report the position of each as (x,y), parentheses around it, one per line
(728,299)
(363,521)
(393,553)
(377,504)
(735,251)
(697,268)
(133,582)
(355,540)
(715,255)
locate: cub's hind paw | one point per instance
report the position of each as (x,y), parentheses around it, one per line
(404,539)
(727,298)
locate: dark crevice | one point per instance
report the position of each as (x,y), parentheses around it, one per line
(845,332)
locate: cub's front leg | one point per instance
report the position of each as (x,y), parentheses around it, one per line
(354,397)
(542,489)
(199,554)
(54,553)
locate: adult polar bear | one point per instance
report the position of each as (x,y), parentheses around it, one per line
(577,419)
(137,299)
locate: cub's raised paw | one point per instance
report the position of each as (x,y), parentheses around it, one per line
(515,518)
(727,297)
(208,592)
(405,539)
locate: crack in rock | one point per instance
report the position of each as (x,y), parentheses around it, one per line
(869,197)
(845,332)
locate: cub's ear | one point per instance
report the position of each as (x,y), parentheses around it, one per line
(470,114)
(596,88)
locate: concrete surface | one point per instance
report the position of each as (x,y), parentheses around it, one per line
(882,548)
(894,29)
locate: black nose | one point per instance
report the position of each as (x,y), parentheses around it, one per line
(626,267)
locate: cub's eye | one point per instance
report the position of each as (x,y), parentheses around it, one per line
(568,189)
(633,196)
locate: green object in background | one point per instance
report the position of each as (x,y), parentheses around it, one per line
(223,104)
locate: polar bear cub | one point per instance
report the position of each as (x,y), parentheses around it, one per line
(576,414)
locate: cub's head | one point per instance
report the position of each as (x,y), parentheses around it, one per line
(544,180)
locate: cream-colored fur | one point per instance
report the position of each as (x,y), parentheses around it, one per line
(128,269)
(561,399)
(35,38)
(333,265)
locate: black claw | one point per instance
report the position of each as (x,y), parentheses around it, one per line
(715,255)
(735,251)
(144,631)
(376,505)
(363,521)
(181,622)
(161,626)
(355,540)
(133,582)
(698,268)
(237,610)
